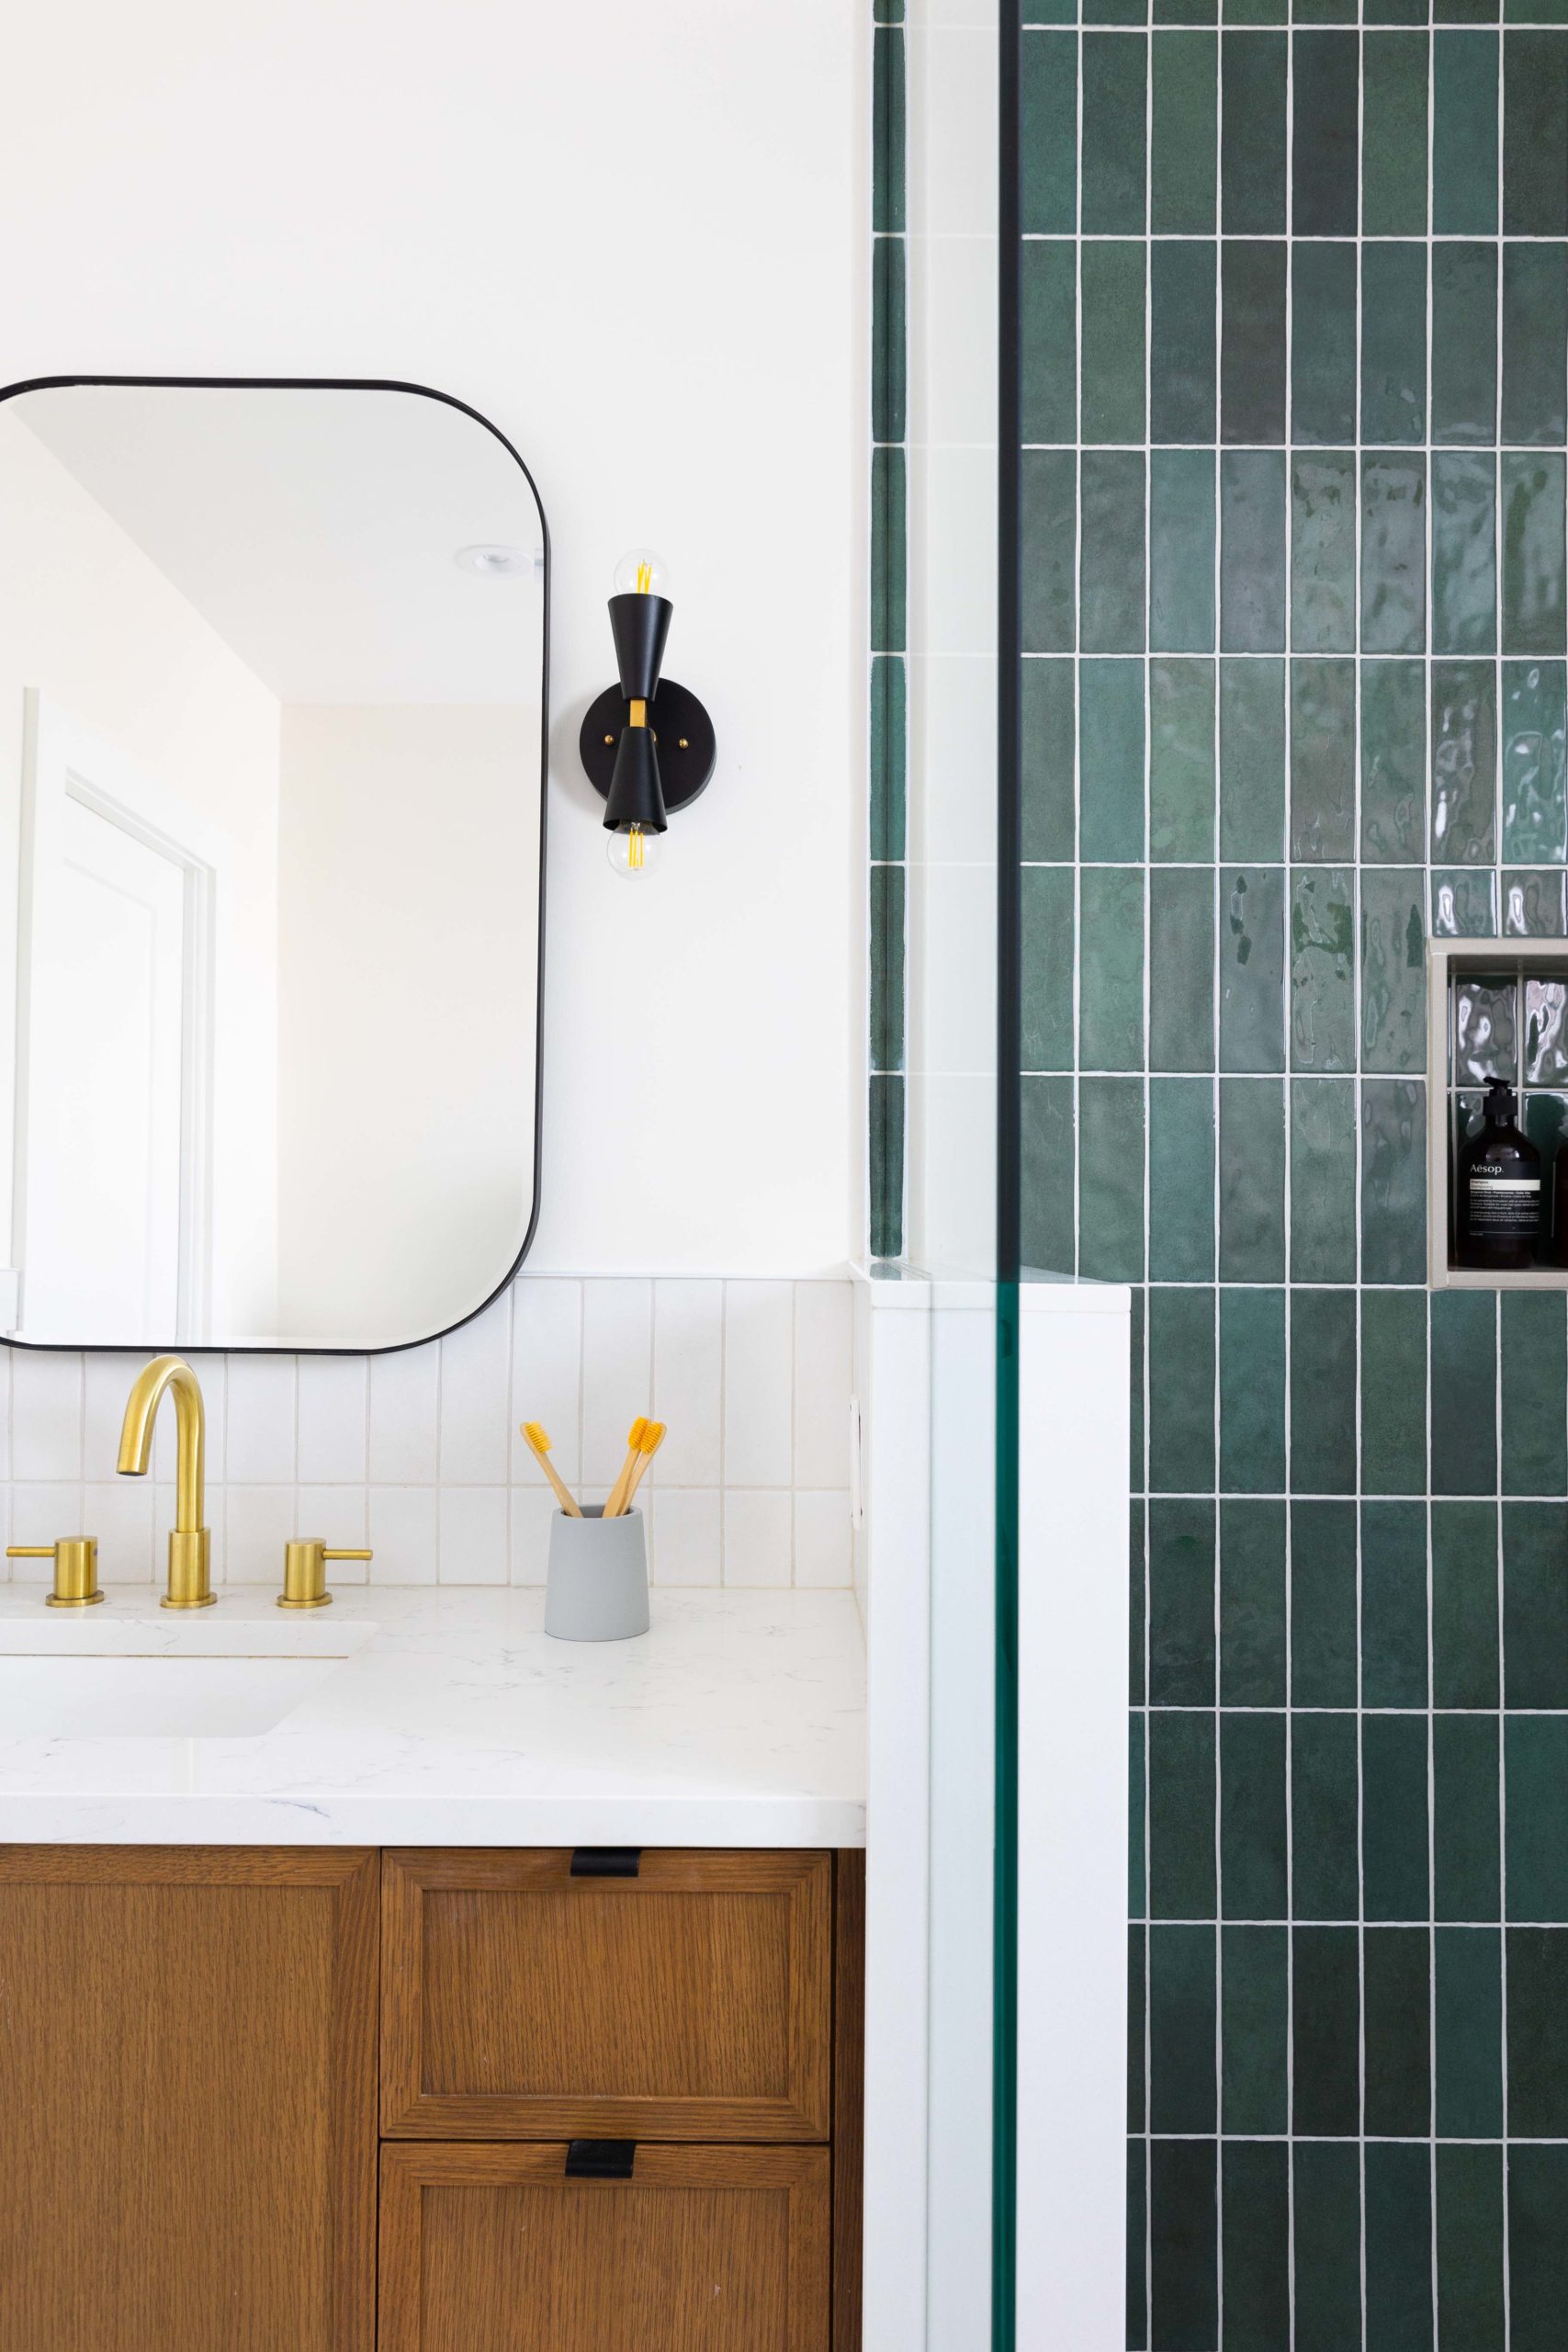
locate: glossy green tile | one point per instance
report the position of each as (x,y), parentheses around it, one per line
(1327,2244)
(1115,67)
(1181,1180)
(1181,1817)
(1393,555)
(1254,2028)
(1048,335)
(1464,134)
(1252,760)
(1110,973)
(1464,1605)
(1393,1392)
(1184,154)
(1138,2237)
(1255,2203)
(1325,2020)
(1049,134)
(1323,343)
(885,1156)
(887,131)
(889,734)
(1181,754)
(1110,571)
(1182,368)
(1467,2015)
(1463,1377)
(1535,1404)
(1399,2248)
(1532,904)
(1252,340)
(1047,896)
(1324,1645)
(889,341)
(1394,136)
(1254,1842)
(1323,551)
(1183,1992)
(1046,1175)
(1137,1984)
(1181,1603)
(1181,553)
(1252,1180)
(1252,551)
(1535,560)
(1538,2248)
(1464,343)
(888,550)
(1393,343)
(1325,107)
(1183,2243)
(1485,1035)
(887,967)
(1137,1547)
(1048,492)
(1252,1603)
(1536,1759)
(1535,342)
(1464,906)
(1113,359)
(1394,1816)
(1394,762)
(1110,787)
(1397,1991)
(1110,1179)
(1323,759)
(1323,1392)
(1181,1391)
(1535,1605)
(1323,960)
(1538,2047)
(1322,1179)
(1393,1606)
(1137,1789)
(1464,568)
(1470,2250)
(1393,975)
(1535,795)
(1464,762)
(1181,968)
(1535,107)
(1393,1181)
(1252,1391)
(1466,1864)
(1253,143)
(1049,828)
(1251,969)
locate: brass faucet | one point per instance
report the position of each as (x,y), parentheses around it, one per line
(190,1546)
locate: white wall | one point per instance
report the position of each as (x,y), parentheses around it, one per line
(634,236)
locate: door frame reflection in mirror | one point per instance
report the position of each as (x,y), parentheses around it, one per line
(219,1345)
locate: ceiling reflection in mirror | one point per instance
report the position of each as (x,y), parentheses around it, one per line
(271,785)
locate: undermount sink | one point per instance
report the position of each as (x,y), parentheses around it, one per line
(180,1693)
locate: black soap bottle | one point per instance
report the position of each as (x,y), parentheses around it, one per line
(1499,1189)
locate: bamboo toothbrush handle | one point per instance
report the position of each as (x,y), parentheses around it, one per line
(635,1481)
(618,1492)
(564,1495)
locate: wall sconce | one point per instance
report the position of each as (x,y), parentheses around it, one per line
(647,744)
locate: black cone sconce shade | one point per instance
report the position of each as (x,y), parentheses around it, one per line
(647,744)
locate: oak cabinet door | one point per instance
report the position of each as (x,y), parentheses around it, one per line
(691,2002)
(498,2249)
(187,2084)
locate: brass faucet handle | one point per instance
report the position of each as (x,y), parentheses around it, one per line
(75,1561)
(305,1572)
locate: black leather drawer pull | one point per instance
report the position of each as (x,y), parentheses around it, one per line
(600,2159)
(605,1861)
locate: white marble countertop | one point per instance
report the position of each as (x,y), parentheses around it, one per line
(739,1720)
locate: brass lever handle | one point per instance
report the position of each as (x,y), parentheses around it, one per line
(305,1572)
(75,1561)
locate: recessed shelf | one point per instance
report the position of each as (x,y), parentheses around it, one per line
(1495,1008)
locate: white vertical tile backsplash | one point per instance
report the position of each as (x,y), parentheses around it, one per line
(417,1454)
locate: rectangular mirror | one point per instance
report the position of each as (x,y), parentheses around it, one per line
(272,760)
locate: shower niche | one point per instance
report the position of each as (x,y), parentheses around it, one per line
(1496,1009)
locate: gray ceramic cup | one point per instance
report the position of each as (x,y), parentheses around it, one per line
(597,1589)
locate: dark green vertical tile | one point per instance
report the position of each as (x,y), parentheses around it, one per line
(889,341)
(1046,1184)
(1538,2047)
(1535,561)
(1113,360)
(1322,1179)
(1536,1763)
(1252,1603)
(1393,555)
(1323,343)
(1323,551)
(1252,551)
(1136,1405)
(1181,968)
(1254,1842)
(1535,342)
(1182,552)
(1137,2246)
(1252,965)
(1470,2250)
(1137,1797)
(1183,2243)
(1399,2249)
(1049,338)
(1464,134)
(1535,1605)
(1183,157)
(1253,142)
(1394,762)
(1533,909)
(1464,762)
(887,131)
(1181,1180)
(1183,1992)
(1535,108)
(1323,1392)
(1255,2202)
(1323,760)
(1326,2016)
(1464,906)
(1254,2028)
(1181,1817)
(1182,367)
(1049,827)
(1393,1606)
(1464,343)
(1137,1990)
(1468,1970)
(885,1155)
(1049,139)
(1327,2237)
(1252,760)
(1394,1816)
(1137,1570)
(889,733)
(887,967)
(1466,1865)
(1464,1445)
(1252,1391)
(1394,136)
(1393,1181)
(1323,1604)
(1181,1603)
(1252,1180)
(889,534)
(1393,1392)
(1181,1391)
(1323,961)
(1535,1407)
(1110,968)
(1394,974)
(1048,484)
(1538,2248)
(1398,2029)
(1111,612)
(1535,800)
(1464,567)
(1252,340)
(1393,343)
(1047,895)
(1464,1605)
(1182,756)
(1325,107)
(1110,783)
(1110,1179)
(1114,108)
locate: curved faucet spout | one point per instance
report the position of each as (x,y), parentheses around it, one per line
(189,1544)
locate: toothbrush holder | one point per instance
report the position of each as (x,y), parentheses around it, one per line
(597,1585)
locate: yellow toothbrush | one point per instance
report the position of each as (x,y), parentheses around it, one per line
(538,1440)
(650,1446)
(635,1436)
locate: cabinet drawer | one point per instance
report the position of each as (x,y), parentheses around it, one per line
(700,2250)
(691,2002)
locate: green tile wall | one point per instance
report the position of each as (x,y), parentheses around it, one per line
(888,717)
(1296,611)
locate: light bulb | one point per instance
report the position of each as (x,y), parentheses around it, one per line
(642,572)
(633,853)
